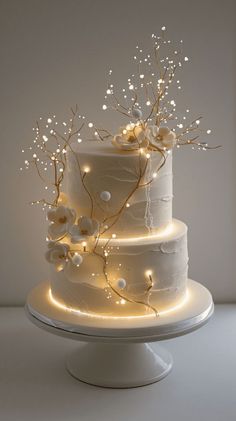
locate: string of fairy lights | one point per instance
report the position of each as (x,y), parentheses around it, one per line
(145,100)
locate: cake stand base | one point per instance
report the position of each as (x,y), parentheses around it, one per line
(119,365)
(119,353)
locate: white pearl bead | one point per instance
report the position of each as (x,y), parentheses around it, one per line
(105,196)
(121,283)
(137,113)
(77,259)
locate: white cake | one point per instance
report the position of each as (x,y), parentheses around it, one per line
(114,249)
(148,243)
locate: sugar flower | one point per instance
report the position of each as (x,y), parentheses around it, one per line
(57,254)
(162,137)
(85,227)
(61,218)
(133,136)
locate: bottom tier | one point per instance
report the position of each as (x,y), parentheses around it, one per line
(140,276)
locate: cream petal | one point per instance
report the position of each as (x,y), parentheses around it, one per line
(61,212)
(127,141)
(155,130)
(51,244)
(170,137)
(144,143)
(56,230)
(71,216)
(164,131)
(77,239)
(141,136)
(51,215)
(57,253)
(74,230)
(95,227)
(48,256)
(85,225)
(75,234)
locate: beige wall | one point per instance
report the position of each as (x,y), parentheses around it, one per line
(55,53)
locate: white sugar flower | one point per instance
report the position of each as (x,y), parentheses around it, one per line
(57,254)
(62,218)
(162,137)
(133,136)
(85,227)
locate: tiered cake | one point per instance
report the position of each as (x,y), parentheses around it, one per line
(115,249)
(143,245)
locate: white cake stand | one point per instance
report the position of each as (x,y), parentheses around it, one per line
(120,353)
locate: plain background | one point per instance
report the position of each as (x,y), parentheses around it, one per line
(56,53)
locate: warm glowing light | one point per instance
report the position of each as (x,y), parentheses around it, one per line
(62,306)
(130,126)
(148,155)
(148,273)
(90,125)
(86,169)
(104,107)
(113,235)
(171,228)
(127,205)
(154,175)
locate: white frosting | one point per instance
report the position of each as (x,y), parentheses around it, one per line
(116,172)
(149,246)
(164,255)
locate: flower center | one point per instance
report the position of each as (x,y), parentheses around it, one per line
(84,232)
(62,220)
(132,138)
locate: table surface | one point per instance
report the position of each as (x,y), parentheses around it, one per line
(34,384)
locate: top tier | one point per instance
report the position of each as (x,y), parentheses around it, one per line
(109,176)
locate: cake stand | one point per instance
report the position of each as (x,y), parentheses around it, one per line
(120,353)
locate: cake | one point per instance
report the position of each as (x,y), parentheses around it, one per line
(114,248)
(149,246)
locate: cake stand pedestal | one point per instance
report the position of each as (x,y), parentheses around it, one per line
(119,353)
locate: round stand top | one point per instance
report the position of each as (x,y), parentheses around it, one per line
(192,314)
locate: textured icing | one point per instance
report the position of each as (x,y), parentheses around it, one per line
(146,237)
(116,172)
(165,255)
